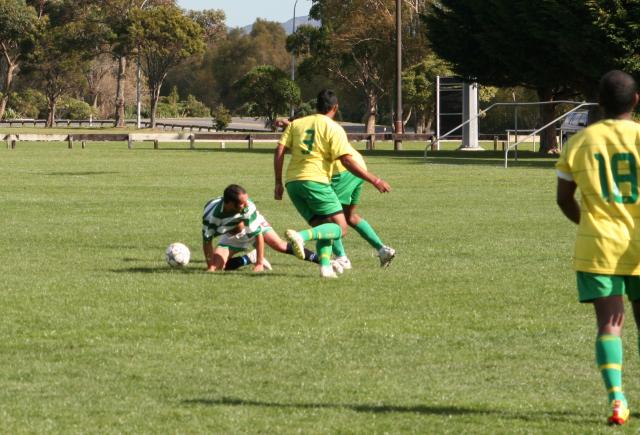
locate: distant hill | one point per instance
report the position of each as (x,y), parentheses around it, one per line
(288,25)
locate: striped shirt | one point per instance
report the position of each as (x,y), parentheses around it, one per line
(216,222)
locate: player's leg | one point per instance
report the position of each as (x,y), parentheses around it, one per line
(362,227)
(317,204)
(273,240)
(237,261)
(219,260)
(338,249)
(606,293)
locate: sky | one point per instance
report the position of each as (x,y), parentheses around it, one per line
(242,13)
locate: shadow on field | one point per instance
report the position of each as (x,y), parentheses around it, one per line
(526,159)
(158,269)
(416,409)
(80,173)
(245,271)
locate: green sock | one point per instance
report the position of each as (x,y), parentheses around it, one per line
(323,248)
(322,232)
(338,248)
(609,360)
(366,231)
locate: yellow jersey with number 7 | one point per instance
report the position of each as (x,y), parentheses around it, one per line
(315,142)
(603,161)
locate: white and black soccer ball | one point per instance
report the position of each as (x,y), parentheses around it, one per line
(177,255)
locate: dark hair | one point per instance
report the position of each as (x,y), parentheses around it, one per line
(232,193)
(326,100)
(617,91)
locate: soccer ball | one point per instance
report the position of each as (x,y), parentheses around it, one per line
(177,255)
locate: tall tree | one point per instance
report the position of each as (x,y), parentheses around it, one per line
(212,23)
(620,20)
(164,37)
(194,75)
(56,64)
(266,92)
(239,52)
(17,26)
(354,46)
(551,46)
(69,34)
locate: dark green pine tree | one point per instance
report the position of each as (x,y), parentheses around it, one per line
(551,46)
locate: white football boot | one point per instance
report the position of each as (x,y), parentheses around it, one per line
(253,257)
(386,254)
(327,272)
(344,262)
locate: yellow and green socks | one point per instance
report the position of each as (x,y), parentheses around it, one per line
(323,247)
(367,232)
(328,231)
(609,360)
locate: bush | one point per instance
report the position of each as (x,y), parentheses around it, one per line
(221,117)
(195,108)
(28,104)
(305,109)
(71,108)
(167,110)
(9,113)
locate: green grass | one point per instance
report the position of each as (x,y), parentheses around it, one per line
(474,328)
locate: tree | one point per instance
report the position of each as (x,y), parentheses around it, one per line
(211,21)
(164,37)
(56,64)
(239,52)
(68,35)
(620,20)
(195,75)
(551,46)
(419,86)
(17,26)
(266,92)
(354,45)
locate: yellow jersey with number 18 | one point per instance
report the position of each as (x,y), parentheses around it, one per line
(315,142)
(603,161)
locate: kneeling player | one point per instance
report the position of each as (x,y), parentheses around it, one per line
(235,217)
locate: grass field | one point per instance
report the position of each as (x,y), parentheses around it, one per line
(474,328)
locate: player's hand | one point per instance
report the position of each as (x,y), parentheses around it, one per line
(237,229)
(278,192)
(211,269)
(258,267)
(381,185)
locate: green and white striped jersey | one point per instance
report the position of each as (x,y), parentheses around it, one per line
(215,222)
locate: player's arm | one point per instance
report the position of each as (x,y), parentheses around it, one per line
(207,247)
(566,200)
(259,266)
(357,170)
(278,162)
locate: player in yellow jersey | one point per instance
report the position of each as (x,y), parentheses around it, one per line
(315,142)
(603,162)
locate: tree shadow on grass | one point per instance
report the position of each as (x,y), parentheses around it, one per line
(526,159)
(541,415)
(80,173)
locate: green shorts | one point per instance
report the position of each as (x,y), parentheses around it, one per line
(313,199)
(348,187)
(594,286)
